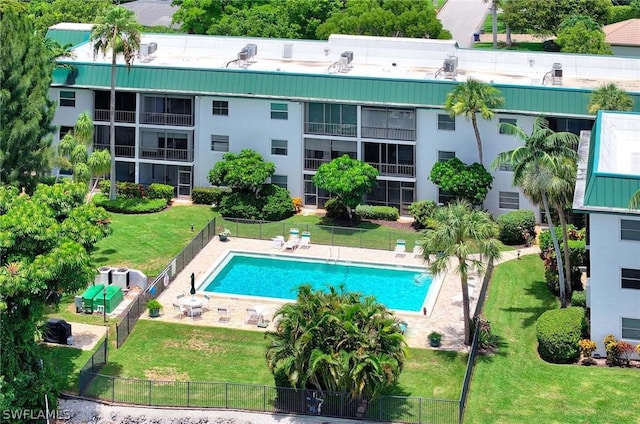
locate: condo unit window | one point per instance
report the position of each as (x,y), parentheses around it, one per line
(501,121)
(629,230)
(220,108)
(331,119)
(279,147)
(219,143)
(631,328)
(68,98)
(444,197)
(506,167)
(509,200)
(630,278)
(444,156)
(446,122)
(389,123)
(64,131)
(279,180)
(279,111)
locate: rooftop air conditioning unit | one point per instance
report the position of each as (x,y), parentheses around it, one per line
(252,50)
(348,55)
(557,70)
(450,65)
(243,55)
(148,49)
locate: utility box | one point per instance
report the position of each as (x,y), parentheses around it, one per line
(111,300)
(88,295)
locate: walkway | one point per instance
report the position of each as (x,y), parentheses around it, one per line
(446,316)
(462,18)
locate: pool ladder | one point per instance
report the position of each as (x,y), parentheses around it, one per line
(335,260)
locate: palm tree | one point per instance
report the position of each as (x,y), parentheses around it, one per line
(459,232)
(609,97)
(116,32)
(336,341)
(471,98)
(543,168)
(634,203)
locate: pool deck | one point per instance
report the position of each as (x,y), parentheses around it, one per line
(446,316)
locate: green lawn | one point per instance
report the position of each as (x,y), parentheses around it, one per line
(67,361)
(487,25)
(528,46)
(516,386)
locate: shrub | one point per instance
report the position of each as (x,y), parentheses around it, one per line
(208,195)
(625,349)
(572,232)
(385,213)
(614,356)
(487,341)
(104,186)
(130,190)
(587,347)
(160,191)
(622,13)
(278,204)
(422,212)
(469,182)
(336,209)
(579,298)
(240,205)
(297,203)
(130,206)
(578,257)
(558,332)
(517,227)
(550,46)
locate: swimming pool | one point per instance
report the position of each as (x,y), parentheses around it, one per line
(273,276)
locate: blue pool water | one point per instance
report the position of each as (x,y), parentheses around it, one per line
(252,275)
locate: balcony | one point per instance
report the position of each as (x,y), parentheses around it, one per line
(176,119)
(394,170)
(347,130)
(157,153)
(128,116)
(311,164)
(122,150)
(389,133)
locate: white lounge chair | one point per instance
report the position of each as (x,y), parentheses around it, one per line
(401,248)
(223,314)
(418,251)
(253,316)
(205,302)
(194,311)
(179,310)
(305,241)
(292,243)
(277,242)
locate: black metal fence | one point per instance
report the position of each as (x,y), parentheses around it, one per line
(320,234)
(249,397)
(94,364)
(162,281)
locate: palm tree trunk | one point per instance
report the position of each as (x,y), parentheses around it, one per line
(494,23)
(112,126)
(465,305)
(474,123)
(508,35)
(556,247)
(565,248)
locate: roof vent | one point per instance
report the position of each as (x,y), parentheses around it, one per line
(287,52)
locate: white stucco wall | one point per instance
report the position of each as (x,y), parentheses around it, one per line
(608,255)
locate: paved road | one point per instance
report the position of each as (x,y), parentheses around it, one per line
(462,18)
(152,12)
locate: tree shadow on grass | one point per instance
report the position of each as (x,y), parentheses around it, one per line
(545,301)
(447,355)
(502,349)
(101,257)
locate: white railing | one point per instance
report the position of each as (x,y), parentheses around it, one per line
(177,119)
(348,130)
(389,133)
(120,115)
(394,169)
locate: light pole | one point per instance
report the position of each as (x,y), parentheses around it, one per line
(104,303)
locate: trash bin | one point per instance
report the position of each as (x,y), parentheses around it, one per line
(476,36)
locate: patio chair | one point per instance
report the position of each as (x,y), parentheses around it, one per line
(195,311)
(205,302)
(291,244)
(253,317)
(418,251)
(180,296)
(305,241)
(179,310)
(223,314)
(277,242)
(401,247)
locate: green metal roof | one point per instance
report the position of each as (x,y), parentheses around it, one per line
(304,87)
(68,36)
(606,190)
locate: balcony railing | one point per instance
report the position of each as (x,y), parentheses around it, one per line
(313,164)
(394,169)
(389,133)
(347,130)
(128,116)
(177,119)
(122,150)
(181,155)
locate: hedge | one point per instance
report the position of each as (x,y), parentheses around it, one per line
(579,298)
(517,227)
(130,206)
(160,191)
(422,212)
(208,195)
(558,332)
(385,213)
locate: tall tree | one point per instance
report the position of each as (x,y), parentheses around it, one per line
(471,98)
(44,254)
(336,341)
(245,171)
(543,167)
(347,179)
(459,232)
(609,97)
(116,32)
(581,34)
(25,121)
(47,13)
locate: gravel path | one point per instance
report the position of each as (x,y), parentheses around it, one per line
(85,412)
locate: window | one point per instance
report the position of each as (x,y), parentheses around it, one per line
(630,278)
(279,147)
(444,197)
(446,122)
(219,143)
(331,119)
(220,108)
(631,328)
(508,200)
(445,156)
(68,98)
(629,230)
(505,121)
(279,180)
(64,131)
(506,167)
(279,111)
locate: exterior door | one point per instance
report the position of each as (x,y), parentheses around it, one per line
(407,198)
(184,183)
